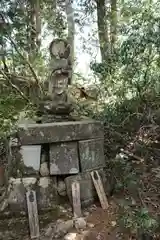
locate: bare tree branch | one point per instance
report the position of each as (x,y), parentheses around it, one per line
(28,63)
(13,85)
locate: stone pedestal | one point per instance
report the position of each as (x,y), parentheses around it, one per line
(87,190)
(70,149)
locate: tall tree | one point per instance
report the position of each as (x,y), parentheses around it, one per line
(113,23)
(71,31)
(103,29)
(35,27)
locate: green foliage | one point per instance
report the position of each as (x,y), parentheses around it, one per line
(53,17)
(135,67)
(137,220)
(133,215)
(10,108)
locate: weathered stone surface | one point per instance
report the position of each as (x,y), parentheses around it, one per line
(60,132)
(64,158)
(91,154)
(62,227)
(49,231)
(87,189)
(19,167)
(17,191)
(80,223)
(44,169)
(61,188)
(47,192)
(72,236)
(31,158)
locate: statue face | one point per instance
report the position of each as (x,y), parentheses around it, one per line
(59,48)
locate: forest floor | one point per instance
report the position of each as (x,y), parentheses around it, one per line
(100,225)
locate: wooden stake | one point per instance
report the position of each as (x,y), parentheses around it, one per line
(32,214)
(76,199)
(99,189)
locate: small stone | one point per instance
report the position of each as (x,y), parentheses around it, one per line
(44,170)
(113,223)
(62,209)
(71,236)
(60,221)
(63,227)
(61,188)
(86,214)
(93,208)
(49,231)
(80,223)
(69,209)
(90,225)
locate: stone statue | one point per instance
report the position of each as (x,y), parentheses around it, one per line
(57,104)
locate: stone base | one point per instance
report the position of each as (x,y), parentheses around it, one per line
(46,192)
(55,118)
(59,132)
(67,148)
(87,190)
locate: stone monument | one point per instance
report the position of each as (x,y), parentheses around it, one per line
(57,106)
(58,150)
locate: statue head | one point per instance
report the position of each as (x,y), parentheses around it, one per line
(59,49)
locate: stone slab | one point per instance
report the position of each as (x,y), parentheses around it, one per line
(64,158)
(91,154)
(87,190)
(59,132)
(17,191)
(47,195)
(19,168)
(31,156)
(45,188)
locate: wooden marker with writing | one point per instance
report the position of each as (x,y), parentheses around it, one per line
(76,199)
(32,214)
(99,189)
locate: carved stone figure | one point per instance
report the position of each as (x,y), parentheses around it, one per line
(57,102)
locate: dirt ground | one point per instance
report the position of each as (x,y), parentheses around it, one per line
(100,224)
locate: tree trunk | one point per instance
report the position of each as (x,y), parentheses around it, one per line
(103,30)
(71,32)
(113,22)
(35,28)
(38,23)
(3,54)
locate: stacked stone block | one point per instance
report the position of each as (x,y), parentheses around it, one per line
(68,151)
